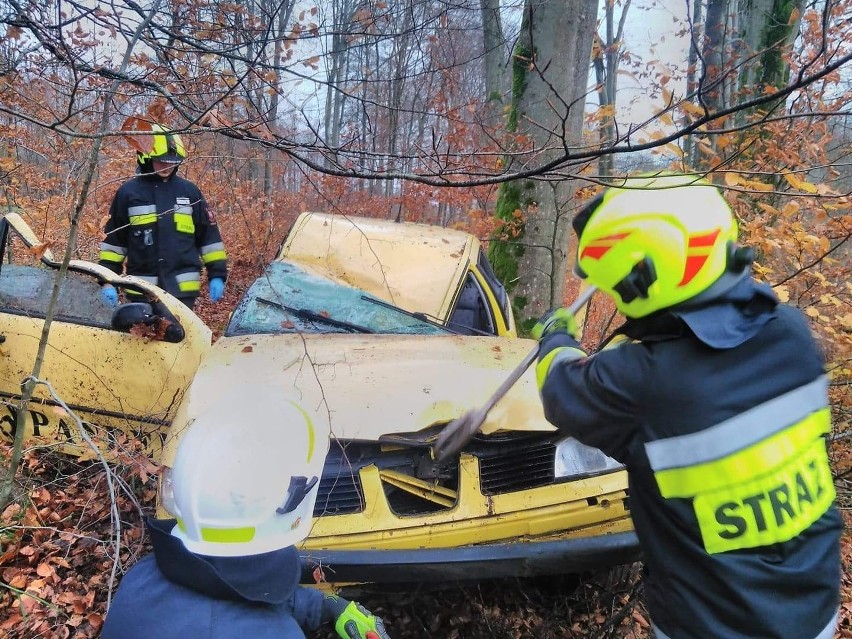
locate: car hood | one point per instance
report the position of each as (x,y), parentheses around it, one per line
(373,385)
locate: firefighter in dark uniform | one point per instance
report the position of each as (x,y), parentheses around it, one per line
(161,225)
(716,401)
(228,565)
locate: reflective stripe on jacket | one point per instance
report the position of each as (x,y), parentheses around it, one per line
(730,489)
(165,233)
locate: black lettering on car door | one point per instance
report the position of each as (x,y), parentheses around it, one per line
(39,419)
(9,421)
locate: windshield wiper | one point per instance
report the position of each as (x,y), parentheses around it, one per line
(312,316)
(420,317)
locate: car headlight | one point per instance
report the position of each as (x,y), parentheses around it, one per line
(574,458)
(167,492)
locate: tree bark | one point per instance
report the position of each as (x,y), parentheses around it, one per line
(768,31)
(692,70)
(494,57)
(606,58)
(551,65)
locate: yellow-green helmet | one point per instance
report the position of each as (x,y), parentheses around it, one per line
(165,146)
(662,241)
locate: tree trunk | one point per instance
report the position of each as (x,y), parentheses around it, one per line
(493,60)
(692,71)
(551,64)
(768,31)
(716,85)
(284,13)
(606,59)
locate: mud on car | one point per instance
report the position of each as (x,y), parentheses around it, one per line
(392,330)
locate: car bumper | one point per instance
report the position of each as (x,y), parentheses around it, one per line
(512,559)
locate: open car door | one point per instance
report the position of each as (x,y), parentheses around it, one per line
(124,381)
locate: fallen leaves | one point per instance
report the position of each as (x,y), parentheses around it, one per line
(55,550)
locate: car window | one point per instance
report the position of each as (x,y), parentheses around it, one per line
(26,284)
(470,315)
(288,299)
(495,284)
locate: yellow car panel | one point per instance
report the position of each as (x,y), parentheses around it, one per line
(415,381)
(114,381)
(413,266)
(475,519)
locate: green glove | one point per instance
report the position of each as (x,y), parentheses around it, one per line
(560,320)
(353,621)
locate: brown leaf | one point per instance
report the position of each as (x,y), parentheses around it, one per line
(75,620)
(11,512)
(139,143)
(95,620)
(18,581)
(44,569)
(28,603)
(39,250)
(9,555)
(247,349)
(638,618)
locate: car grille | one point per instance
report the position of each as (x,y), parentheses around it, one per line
(519,465)
(507,464)
(340,490)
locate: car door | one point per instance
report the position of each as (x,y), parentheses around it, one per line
(125,387)
(481,305)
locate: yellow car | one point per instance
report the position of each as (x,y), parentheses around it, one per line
(122,370)
(392,330)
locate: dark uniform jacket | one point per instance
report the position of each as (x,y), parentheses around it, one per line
(174,594)
(165,231)
(720,415)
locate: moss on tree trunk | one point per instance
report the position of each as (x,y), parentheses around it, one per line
(505,247)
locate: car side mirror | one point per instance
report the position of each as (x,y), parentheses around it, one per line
(145,320)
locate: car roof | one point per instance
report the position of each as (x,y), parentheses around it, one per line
(417,267)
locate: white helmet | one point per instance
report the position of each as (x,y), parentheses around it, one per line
(246,474)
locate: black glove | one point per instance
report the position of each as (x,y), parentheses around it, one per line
(351,620)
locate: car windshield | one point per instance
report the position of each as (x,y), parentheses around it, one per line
(287,299)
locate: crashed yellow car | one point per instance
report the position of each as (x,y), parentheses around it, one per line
(123,371)
(392,330)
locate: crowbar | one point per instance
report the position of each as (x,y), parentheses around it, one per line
(459,432)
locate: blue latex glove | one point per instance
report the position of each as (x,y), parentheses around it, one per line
(217,289)
(109,295)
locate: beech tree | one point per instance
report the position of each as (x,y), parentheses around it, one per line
(548,99)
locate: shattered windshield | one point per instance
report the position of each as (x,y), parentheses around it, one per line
(287,299)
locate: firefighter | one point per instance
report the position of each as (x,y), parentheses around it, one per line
(716,402)
(227,565)
(159,223)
